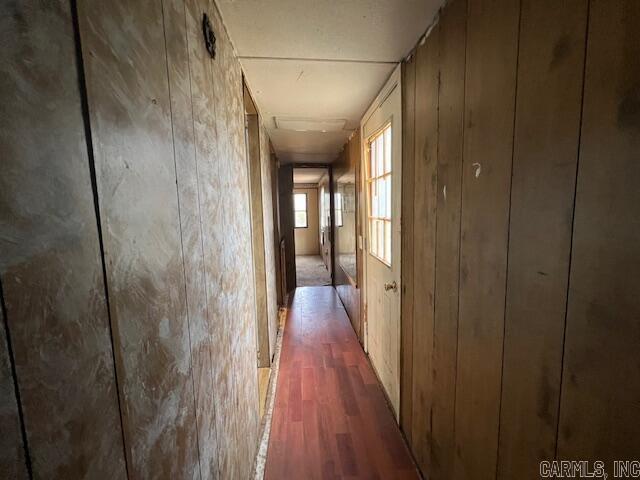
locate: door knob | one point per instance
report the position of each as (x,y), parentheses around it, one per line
(391,286)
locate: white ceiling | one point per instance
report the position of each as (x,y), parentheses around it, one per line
(308,175)
(319,60)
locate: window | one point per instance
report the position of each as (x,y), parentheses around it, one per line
(323,222)
(379,190)
(338,208)
(300,210)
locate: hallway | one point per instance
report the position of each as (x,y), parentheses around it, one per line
(208,208)
(330,419)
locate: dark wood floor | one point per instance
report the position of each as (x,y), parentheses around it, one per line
(330,418)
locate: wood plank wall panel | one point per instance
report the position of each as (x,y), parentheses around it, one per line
(167,129)
(453,22)
(599,415)
(424,244)
(50,265)
(490,82)
(257,236)
(406,292)
(266,164)
(241,413)
(276,225)
(537,119)
(12,453)
(128,91)
(548,107)
(187,176)
(206,134)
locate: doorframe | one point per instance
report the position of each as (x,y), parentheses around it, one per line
(329,169)
(394,81)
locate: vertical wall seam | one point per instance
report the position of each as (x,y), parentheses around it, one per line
(437,31)
(462,165)
(184,271)
(84,100)
(573,217)
(506,276)
(264,230)
(217,171)
(464,99)
(16,387)
(204,269)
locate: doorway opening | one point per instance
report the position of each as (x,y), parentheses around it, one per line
(256,152)
(312,226)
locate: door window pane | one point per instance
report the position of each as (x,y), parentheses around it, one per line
(379,180)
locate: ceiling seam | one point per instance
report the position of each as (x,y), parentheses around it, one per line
(322,60)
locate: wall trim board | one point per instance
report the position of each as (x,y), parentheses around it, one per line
(406,316)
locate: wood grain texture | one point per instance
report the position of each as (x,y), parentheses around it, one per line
(187,175)
(528,386)
(599,417)
(257,236)
(128,91)
(330,419)
(12,452)
(205,134)
(548,107)
(50,264)
(424,243)
(490,80)
(267,166)
(449,196)
(240,415)
(210,184)
(406,300)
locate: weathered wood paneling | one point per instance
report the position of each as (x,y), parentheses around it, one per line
(519,128)
(205,130)
(12,453)
(548,105)
(424,243)
(172,184)
(406,292)
(257,236)
(124,51)
(266,164)
(186,161)
(239,417)
(490,79)
(49,252)
(445,342)
(599,415)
